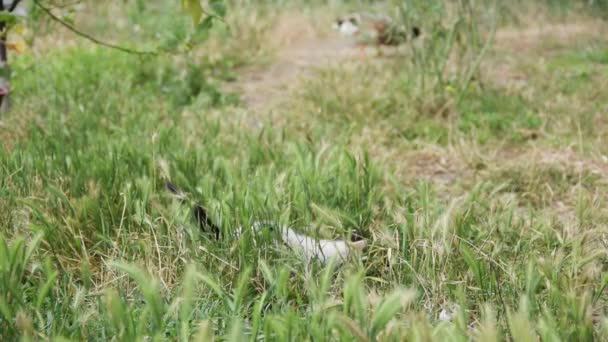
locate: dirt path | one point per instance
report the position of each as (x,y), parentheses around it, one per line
(263,88)
(538,36)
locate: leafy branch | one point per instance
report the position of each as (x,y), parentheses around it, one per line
(87,36)
(8,21)
(192,6)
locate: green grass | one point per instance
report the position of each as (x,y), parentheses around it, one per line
(490,113)
(92,246)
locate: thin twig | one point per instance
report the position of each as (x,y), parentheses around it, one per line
(67,4)
(88,36)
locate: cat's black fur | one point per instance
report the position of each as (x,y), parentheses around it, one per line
(199,213)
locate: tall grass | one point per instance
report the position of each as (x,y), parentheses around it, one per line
(457,35)
(92,247)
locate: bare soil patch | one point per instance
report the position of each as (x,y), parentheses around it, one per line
(518,40)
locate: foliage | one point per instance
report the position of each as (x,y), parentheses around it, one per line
(477,241)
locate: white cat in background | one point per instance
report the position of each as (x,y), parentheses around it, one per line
(347,26)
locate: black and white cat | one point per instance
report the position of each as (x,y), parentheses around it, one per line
(308,247)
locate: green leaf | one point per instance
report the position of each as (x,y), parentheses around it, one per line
(44,290)
(354,297)
(5,309)
(201,32)
(236,331)
(32,246)
(61,196)
(601,289)
(389,308)
(218,7)
(148,288)
(68,17)
(470,260)
(266,272)
(351,326)
(117,312)
(194,8)
(520,325)
(188,299)
(325,282)
(8,18)
(212,284)
(205,25)
(241,289)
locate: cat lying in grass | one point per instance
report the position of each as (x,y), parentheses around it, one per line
(309,248)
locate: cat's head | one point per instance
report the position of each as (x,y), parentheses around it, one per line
(347,25)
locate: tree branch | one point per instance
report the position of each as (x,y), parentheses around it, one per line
(88,36)
(66,4)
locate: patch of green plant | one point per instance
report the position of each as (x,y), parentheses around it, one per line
(542,185)
(101,77)
(426,129)
(597,55)
(496,114)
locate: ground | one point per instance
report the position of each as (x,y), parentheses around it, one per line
(476,168)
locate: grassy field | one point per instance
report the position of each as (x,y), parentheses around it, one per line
(474,161)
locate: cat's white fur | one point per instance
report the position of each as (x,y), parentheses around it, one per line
(347,28)
(310,248)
